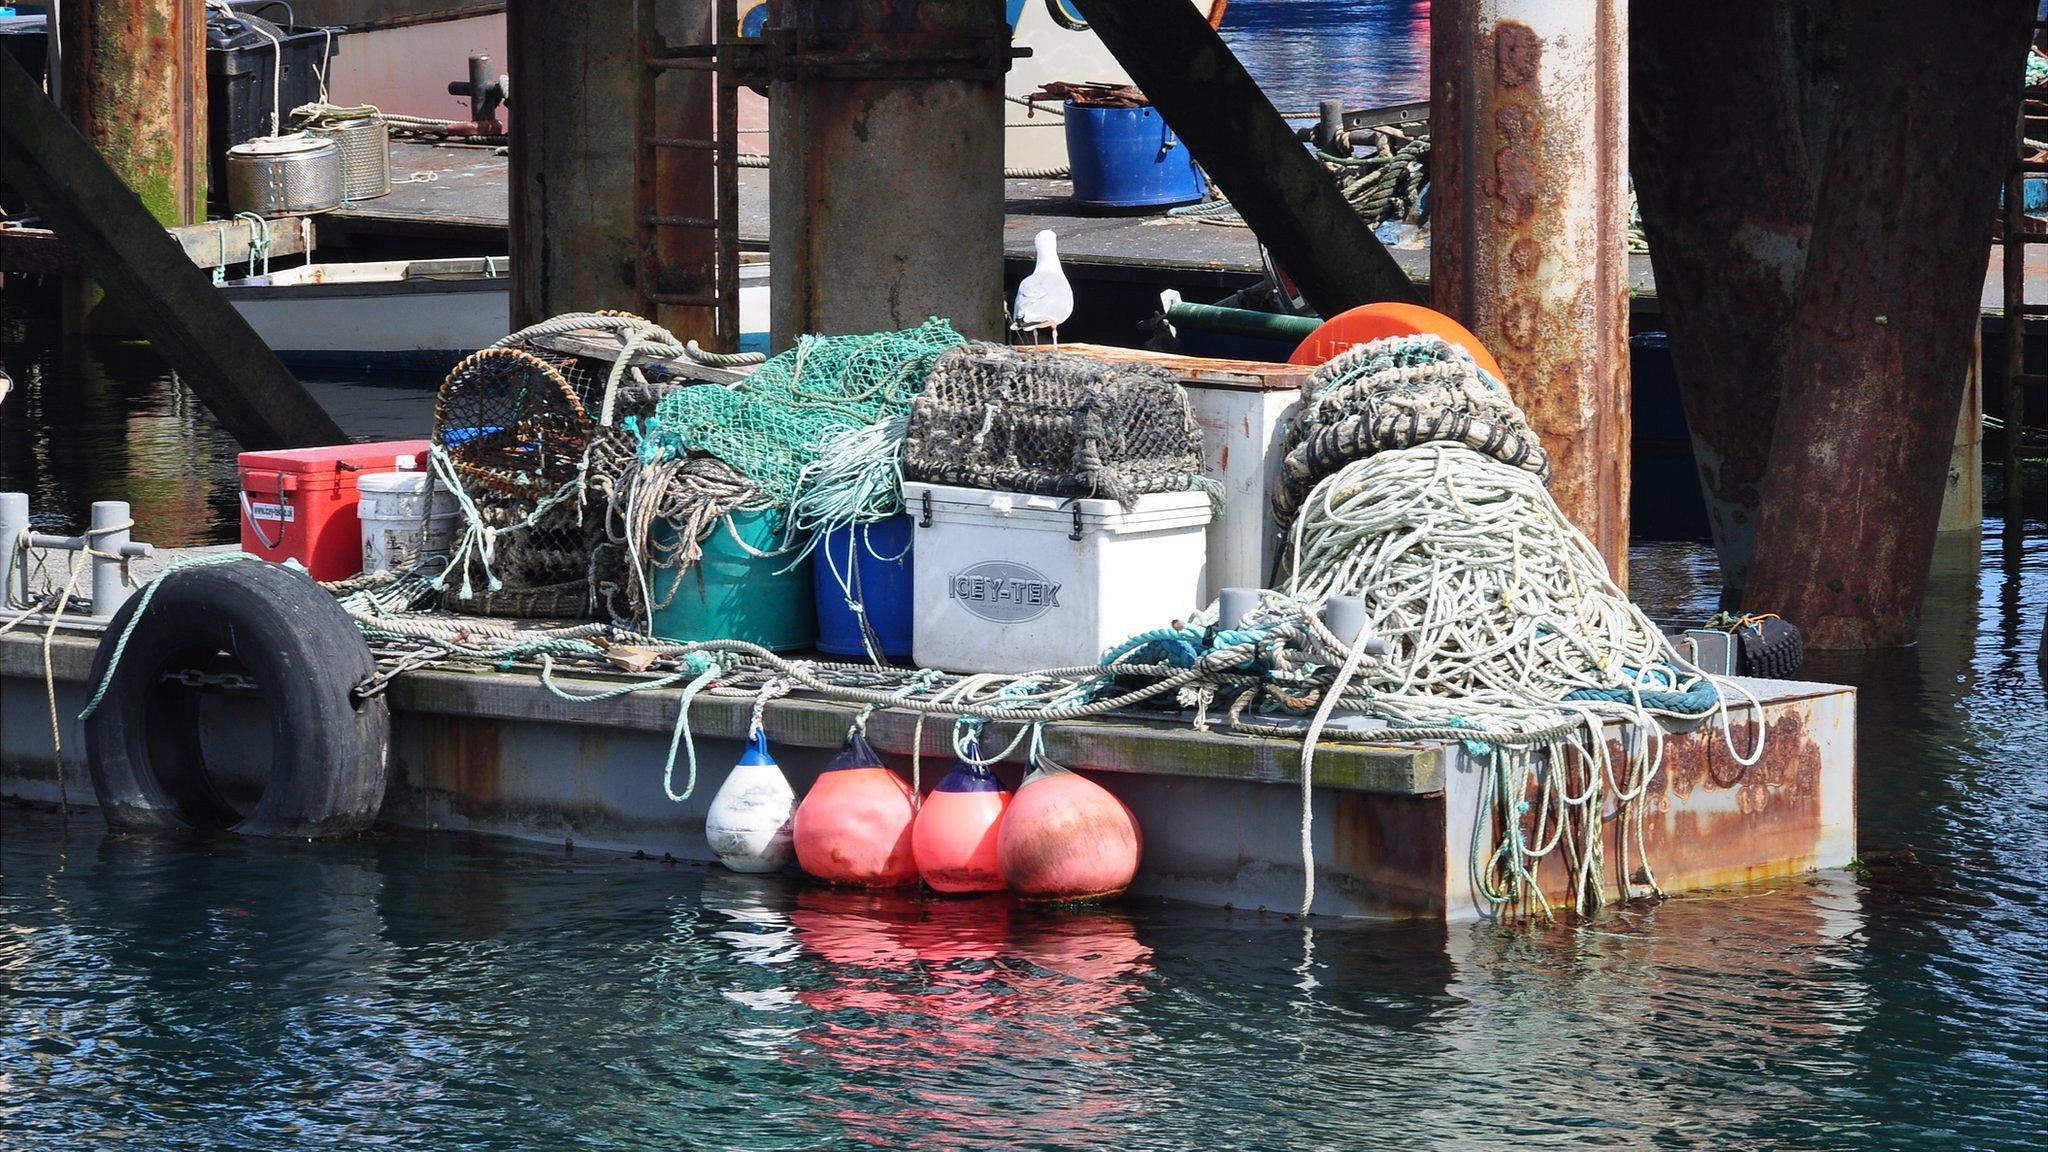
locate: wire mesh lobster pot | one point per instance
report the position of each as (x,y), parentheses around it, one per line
(1052,424)
(513,425)
(365,155)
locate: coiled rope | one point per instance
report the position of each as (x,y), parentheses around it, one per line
(1504,627)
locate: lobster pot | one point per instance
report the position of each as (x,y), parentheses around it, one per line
(365,155)
(511,427)
(1051,424)
(1015,582)
(284,176)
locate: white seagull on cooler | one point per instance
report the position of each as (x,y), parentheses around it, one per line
(1044,298)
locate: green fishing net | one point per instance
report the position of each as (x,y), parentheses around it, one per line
(790,411)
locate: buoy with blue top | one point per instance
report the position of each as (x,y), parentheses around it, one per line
(954,840)
(854,825)
(750,822)
(1065,837)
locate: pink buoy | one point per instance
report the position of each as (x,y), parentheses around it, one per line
(955,837)
(853,826)
(1065,837)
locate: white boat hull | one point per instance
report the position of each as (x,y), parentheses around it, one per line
(409,315)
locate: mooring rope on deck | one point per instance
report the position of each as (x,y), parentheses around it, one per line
(1502,622)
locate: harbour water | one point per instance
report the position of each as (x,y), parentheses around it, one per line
(454,992)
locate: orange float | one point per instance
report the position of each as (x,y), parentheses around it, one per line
(954,841)
(1066,837)
(854,825)
(1369,322)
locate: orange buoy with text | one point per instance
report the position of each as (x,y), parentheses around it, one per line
(955,837)
(1065,837)
(853,826)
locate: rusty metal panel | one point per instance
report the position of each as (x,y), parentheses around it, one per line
(1711,822)
(1529,208)
(134,82)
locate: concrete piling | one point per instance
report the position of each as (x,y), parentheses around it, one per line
(886,165)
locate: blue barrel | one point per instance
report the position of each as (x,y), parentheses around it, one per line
(1129,158)
(867,565)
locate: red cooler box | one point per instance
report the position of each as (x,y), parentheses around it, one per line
(300,503)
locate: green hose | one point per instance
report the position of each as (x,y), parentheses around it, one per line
(1243,322)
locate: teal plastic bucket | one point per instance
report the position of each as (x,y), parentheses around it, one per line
(731,594)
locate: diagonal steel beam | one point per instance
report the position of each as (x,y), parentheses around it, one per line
(126,250)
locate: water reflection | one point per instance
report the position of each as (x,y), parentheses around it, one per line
(103,420)
(1366,53)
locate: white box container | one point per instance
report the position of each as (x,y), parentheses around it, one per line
(1242,406)
(1009,582)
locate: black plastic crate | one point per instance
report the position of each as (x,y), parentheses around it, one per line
(243,69)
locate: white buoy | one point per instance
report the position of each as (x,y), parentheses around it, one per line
(750,820)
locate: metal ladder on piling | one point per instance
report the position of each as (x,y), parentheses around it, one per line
(680,299)
(2031,124)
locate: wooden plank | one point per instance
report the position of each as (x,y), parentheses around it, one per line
(1214,372)
(215,243)
(210,244)
(122,247)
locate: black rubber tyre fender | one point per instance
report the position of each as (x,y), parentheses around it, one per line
(329,750)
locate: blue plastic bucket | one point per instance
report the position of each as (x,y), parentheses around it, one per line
(1129,158)
(732,594)
(868,565)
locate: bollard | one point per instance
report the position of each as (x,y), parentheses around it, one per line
(13,526)
(109,533)
(1329,131)
(1345,616)
(1233,605)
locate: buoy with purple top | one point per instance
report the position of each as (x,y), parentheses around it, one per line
(954,840)
(749,821)
(1065,837)
(854,825)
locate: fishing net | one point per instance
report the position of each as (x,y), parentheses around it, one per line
(636,491)
(783,416)
(816,431)
(1396,393)
(1052,424)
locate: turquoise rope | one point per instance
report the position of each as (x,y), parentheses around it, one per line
(142,606)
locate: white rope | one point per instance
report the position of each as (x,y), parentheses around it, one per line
(1496,610)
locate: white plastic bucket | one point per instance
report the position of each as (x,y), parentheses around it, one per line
(398,530)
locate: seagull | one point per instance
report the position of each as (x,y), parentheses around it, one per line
(1044,298)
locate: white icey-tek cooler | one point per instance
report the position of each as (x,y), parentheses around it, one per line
(1011,582)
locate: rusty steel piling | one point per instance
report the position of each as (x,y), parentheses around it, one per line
(1879,349)
(573,160)
(134,82)
(1529,124)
